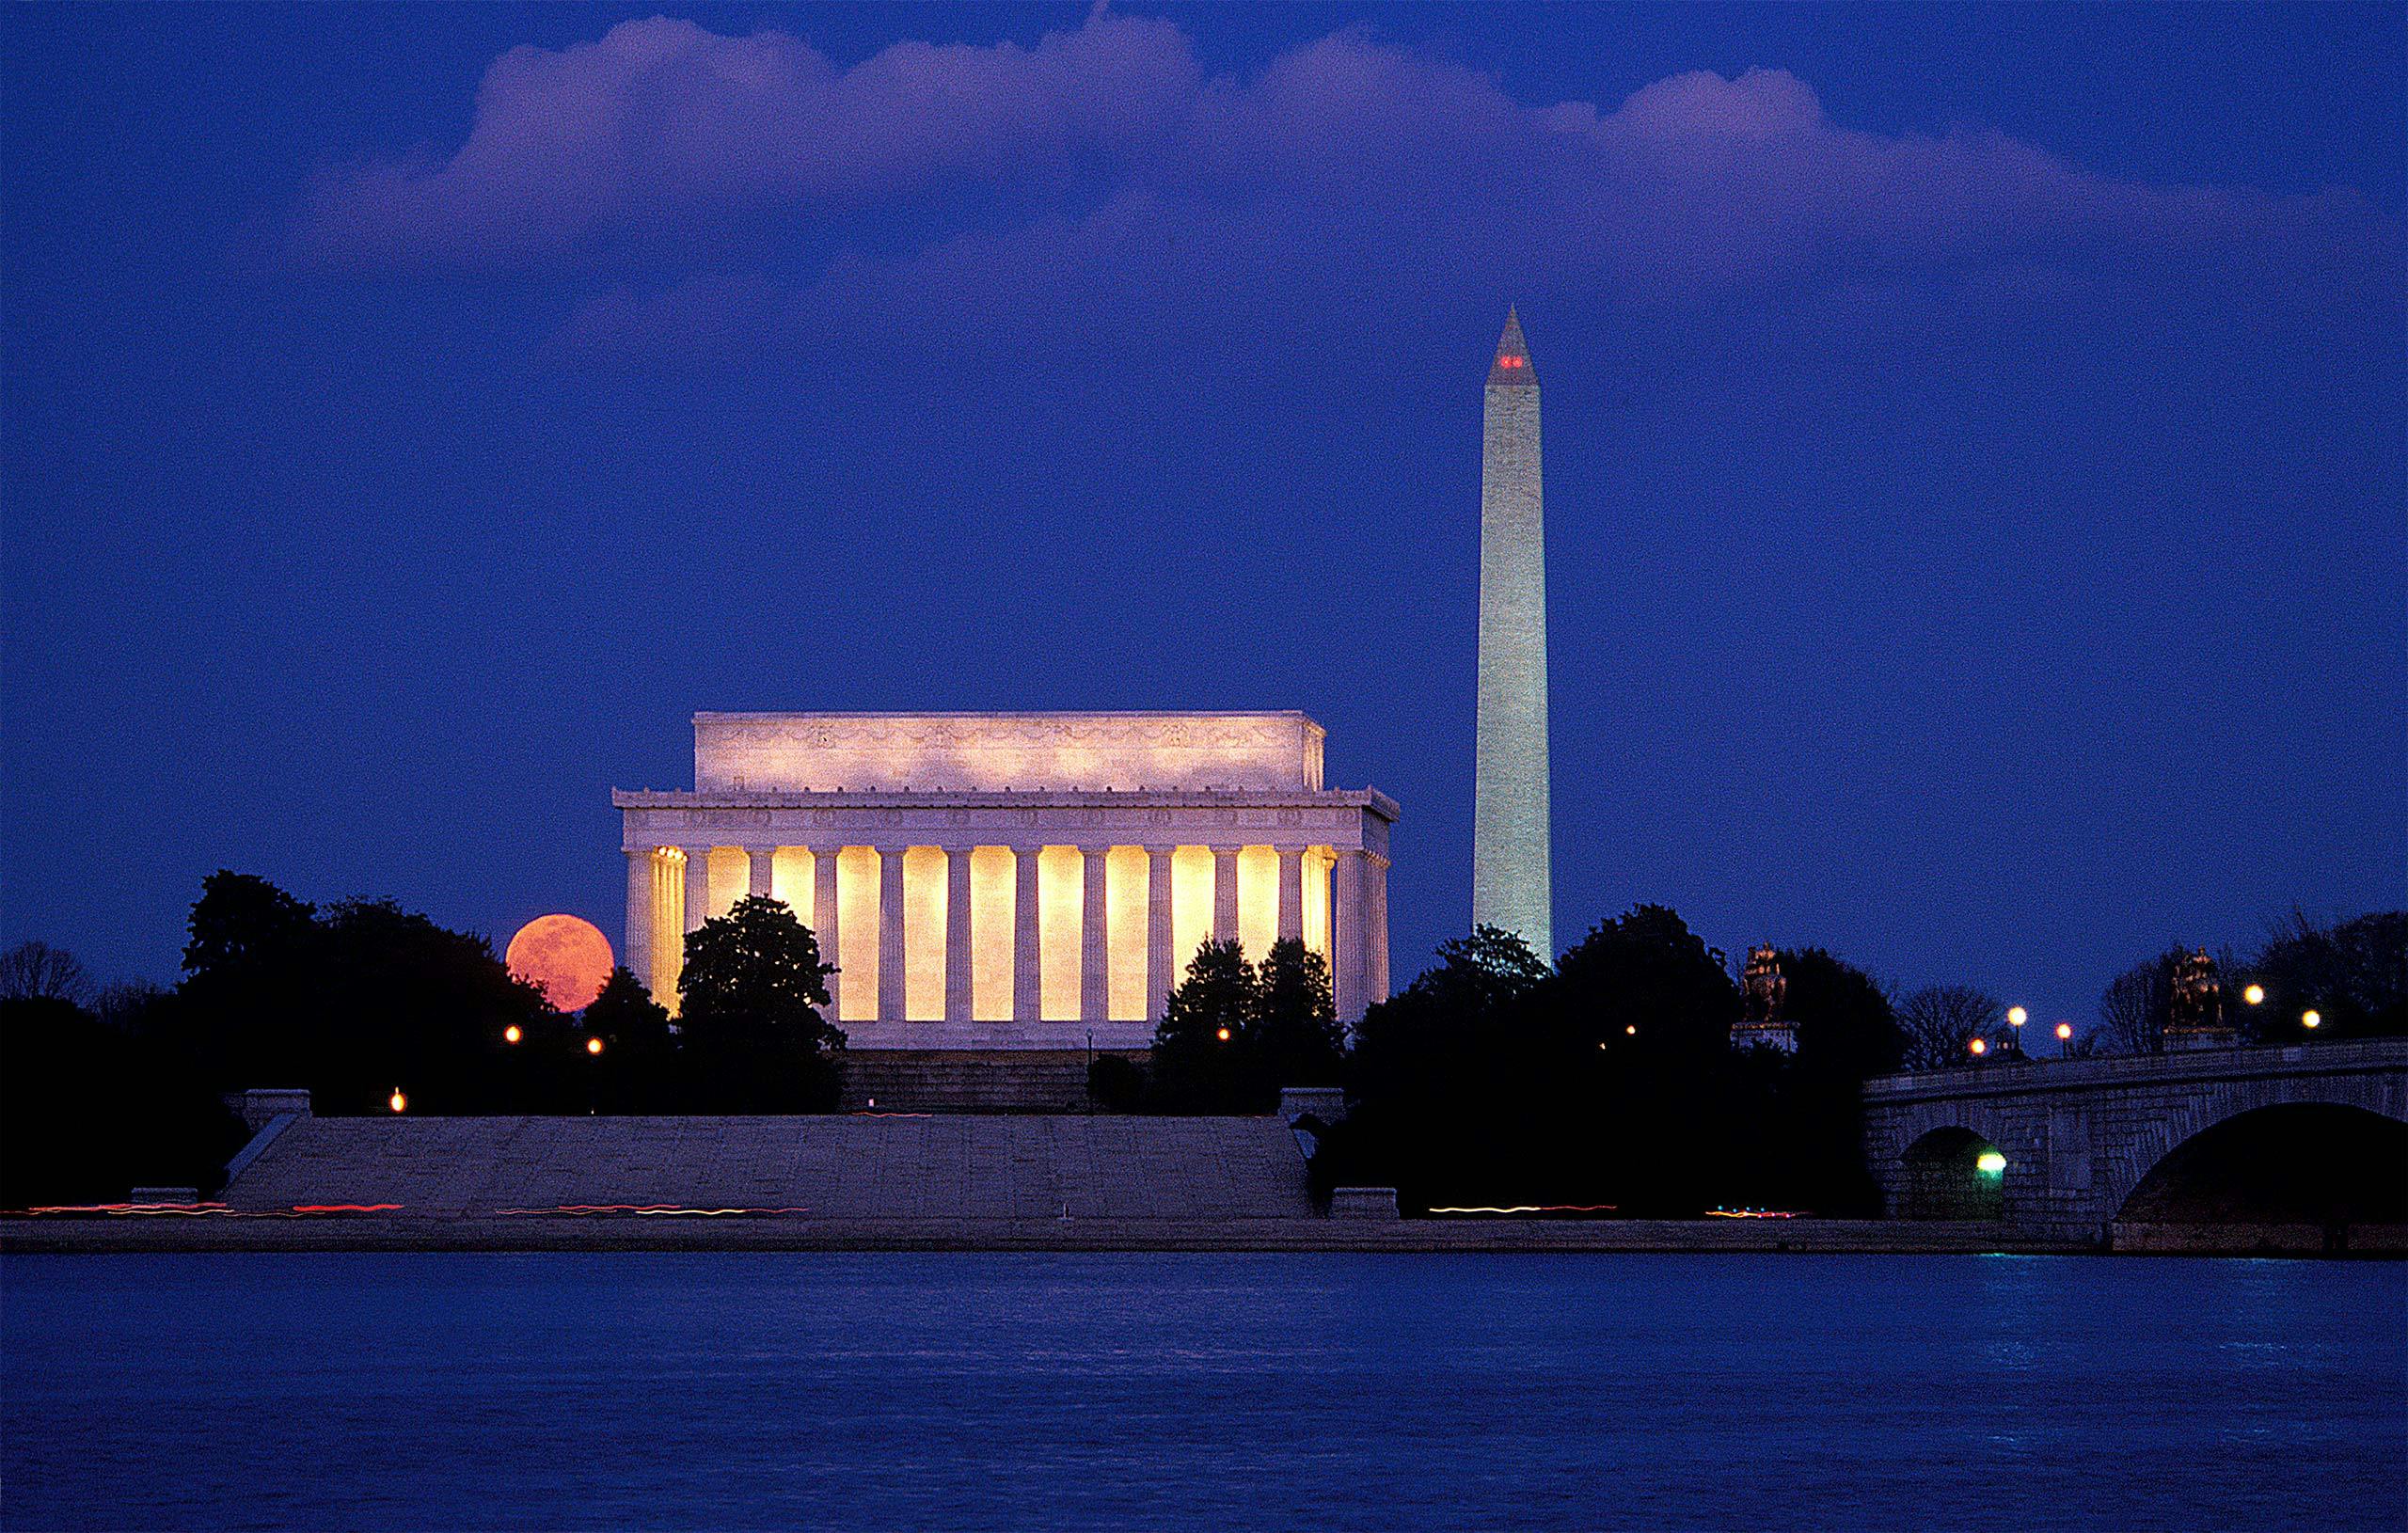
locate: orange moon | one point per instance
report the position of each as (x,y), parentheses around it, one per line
(565,957)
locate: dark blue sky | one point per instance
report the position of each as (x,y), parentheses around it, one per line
(1974,439)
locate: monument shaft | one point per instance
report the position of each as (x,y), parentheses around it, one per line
(1510,881)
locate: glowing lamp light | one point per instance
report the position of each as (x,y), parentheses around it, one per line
(397,1101)
(594,1046)
(2254,995)
(2311,1019)
(2017,1015)
(511,1033)
(1222,1034)
(1990,1163)
(2065,1032)
(1978,1047)
(1632,1030)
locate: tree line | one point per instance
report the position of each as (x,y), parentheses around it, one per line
(1605,1078)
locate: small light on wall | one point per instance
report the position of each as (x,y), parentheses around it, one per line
(1632,1030)
(1222,1034)
(1990,1163)
(1979,1046)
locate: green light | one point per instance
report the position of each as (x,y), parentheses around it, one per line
(1990,1163)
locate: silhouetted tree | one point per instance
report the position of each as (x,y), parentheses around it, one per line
(1847,1027)
(1435,1058)
(350,1003)
(1810,1137)
(1940,1022)
(39,971)
(2354,976)
(1296,1039)
(1204,1035)
(88,1111)
(752,1024)
(639,1068)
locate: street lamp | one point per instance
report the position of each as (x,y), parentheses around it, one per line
(397,1101)
(2064,1040)
(1222,1033)
(511,1033)
(2311,1019)
(1978,1047)
(594,1046)
(2254,995)
(2017,1015)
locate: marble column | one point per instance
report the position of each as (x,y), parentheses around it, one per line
(957,934)
(1027,979)
(1375,932)
(1347,897)
(1291,894)
(698,885)
(1224,894)
(823,919)
(640,915)
(758,859)
(890,934)
(1161,963)
(1095,948)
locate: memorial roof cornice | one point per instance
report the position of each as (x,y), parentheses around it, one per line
(1372,798)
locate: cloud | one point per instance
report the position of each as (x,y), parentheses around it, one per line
(662,125)
(679,168)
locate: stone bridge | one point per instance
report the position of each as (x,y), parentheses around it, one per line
(2296,1147)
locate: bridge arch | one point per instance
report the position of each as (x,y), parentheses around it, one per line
(1952,1172)
(2324,1165)
(2192,1120)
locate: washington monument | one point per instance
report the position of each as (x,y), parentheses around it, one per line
(1509,843)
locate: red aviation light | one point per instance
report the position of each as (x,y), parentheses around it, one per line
(1513,361)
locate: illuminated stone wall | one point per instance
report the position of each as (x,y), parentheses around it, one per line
(1021,915)
(1012,753)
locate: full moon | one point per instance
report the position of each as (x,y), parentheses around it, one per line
(565,957)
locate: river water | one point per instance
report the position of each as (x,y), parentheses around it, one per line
(1026,1390)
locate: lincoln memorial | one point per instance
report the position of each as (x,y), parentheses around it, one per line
(1014,879)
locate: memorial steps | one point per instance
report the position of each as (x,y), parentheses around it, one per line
(966,1081)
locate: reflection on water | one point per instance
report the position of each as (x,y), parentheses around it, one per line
(1331,1390)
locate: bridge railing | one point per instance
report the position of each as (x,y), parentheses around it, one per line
(1995,1078)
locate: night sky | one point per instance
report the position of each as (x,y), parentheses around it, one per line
(1975,440)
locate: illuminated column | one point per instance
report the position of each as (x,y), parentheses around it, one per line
(761,858)
(1027,982)
(698,886)
(1159,978)
(1291,894)
(1095,945)
(1224,894)
(890,934)
(823,918)
(957,934)
(1347,894)
(1375,932)
(640,915)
